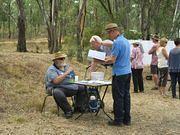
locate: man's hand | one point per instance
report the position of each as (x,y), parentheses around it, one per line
(110,59)
(69,70)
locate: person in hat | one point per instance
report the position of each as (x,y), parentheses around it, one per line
(121,75)
(58,82)
(137,67)
(154,61)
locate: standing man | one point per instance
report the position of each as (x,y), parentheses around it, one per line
(154,61)
(121,72)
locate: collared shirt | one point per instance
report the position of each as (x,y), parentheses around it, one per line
(53,72)
(121,50)
(137,58)
(154,59)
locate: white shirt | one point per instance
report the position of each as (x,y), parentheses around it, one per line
(162,62)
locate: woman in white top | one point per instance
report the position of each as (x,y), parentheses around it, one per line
(162,65)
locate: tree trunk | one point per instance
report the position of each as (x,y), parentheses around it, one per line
(107,8)
(143,14)
(53,39)
(21,46)
(175,17)
(9,20)
(126,4)
(51,23)
(80,29)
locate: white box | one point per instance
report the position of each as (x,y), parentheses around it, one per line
(97,76)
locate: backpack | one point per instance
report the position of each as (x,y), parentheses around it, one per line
(81,102)
(87,102)
(94,103)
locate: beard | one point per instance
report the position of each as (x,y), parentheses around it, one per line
(60,64)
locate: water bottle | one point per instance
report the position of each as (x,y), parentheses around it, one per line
(93,106)
(71,76)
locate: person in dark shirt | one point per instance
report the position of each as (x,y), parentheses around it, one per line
(174,66)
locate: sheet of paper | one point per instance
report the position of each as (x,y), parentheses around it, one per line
(97,55)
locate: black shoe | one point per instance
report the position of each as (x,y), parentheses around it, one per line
(175,97)
(68,114)
(127,123)
(141,91)
(114,123)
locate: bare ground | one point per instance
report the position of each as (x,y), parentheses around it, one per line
(22,93)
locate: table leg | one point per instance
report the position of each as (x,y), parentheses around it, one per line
(102,104)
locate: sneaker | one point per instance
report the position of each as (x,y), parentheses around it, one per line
(114,123)
(68,114)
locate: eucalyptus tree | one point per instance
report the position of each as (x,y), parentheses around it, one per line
(80,28)
(51,23)
(8,17)
(176,20)
(21,46)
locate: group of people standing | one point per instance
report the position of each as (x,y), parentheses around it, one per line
(123,63)
(163,64)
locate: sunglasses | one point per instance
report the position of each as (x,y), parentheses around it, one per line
(61,59)
(109,31)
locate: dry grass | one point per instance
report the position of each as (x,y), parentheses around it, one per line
(22,93)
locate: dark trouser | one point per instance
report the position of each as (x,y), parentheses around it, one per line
(121,97)
(175,77)
(163,76)
(137,80)
(60,95)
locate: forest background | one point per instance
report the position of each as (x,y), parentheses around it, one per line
(68,24)
(32,30)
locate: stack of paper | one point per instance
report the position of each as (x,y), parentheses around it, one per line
(97,55)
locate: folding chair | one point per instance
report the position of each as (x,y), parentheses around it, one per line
(49,94)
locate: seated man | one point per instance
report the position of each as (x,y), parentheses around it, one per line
(102,46)
(57,79)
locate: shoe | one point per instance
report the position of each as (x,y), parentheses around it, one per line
(141,91)
(127,123)
(154,88)
(68,114)
(114,123)
(175,97)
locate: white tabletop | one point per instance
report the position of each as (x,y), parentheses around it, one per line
(94,82)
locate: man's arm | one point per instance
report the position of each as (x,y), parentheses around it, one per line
(60,78)
(110,60)
(106,43)
(152,50)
